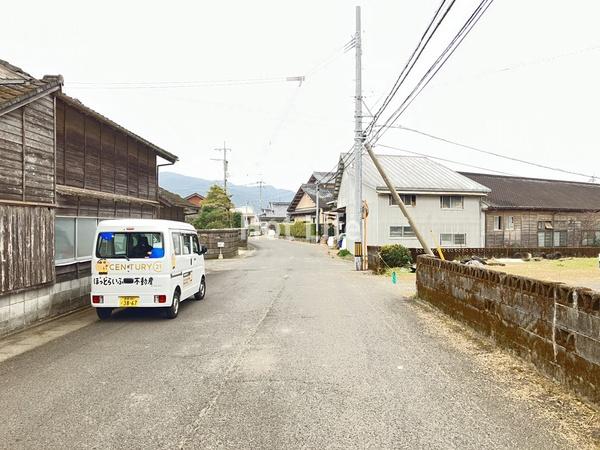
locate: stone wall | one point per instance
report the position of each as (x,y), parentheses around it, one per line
(23,309)
(458,253)
(230,236)
(555,326)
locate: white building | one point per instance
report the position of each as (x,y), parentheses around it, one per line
(445,205)
(248,216)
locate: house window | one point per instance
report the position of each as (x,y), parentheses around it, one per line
(452,202)
(510,223)
(74,239)
(86,229)
(544,238)
(453,240)
(545,225)
(400,232)
(497,223)
(560,238)
(407,199)
(64,240)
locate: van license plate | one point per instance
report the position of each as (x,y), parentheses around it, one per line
(127,302)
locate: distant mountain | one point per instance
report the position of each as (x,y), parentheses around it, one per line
(240,195)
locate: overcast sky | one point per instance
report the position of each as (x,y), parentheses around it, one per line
(524,83)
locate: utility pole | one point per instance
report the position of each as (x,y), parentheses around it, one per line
(398,200)
(225,163)
(317,218)
(260,185)
(358,146)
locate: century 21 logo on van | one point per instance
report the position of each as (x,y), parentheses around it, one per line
(103,267)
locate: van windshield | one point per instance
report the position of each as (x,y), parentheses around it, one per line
(130,245)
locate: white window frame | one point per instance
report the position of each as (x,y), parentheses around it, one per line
(497,223)
(451,242)
(403,234)
(451,207)
(403,197)
(510,222)
(75,259)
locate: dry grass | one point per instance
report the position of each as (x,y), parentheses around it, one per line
(576,271)
(573,419)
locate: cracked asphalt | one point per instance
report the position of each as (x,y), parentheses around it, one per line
(290,349)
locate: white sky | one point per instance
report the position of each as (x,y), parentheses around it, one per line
(544,109)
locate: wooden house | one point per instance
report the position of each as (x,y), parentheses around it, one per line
(533,212)
(174,207)
(63,167)
(303,205)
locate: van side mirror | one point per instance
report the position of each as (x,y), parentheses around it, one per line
(203,249)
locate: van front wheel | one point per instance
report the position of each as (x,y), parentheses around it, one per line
(173,310)
(201,290)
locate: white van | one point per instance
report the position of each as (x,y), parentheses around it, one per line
(146,263)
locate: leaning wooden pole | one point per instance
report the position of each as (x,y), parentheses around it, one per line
(398,200)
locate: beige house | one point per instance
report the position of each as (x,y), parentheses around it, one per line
(303,206)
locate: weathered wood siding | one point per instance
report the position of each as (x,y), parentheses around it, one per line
(27,153)
(577,226)
(26,247)
(93,155)
(172,213)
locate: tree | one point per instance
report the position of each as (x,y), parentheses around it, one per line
(216,211)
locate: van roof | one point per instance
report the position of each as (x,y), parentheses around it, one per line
(158,223)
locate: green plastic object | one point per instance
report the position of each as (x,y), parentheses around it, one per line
(394,278)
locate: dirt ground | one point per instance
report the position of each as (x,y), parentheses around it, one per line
(582,272)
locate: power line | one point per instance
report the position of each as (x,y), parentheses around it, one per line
(435,67)
(412,60)
(487,152)
(174,84)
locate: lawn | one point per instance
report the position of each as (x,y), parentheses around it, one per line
(577,271)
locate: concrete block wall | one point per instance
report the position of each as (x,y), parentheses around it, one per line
(555,326)
(20,310)
(210,238)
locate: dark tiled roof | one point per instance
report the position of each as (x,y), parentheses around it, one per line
(535,193)
(171,199)
(276,209)
(325,196)
(17,86)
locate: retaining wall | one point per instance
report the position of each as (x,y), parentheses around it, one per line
(231,237)
(376,265)
(555,326)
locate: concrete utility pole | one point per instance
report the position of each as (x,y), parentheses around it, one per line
(260,185)
(358,146)
(225,163)
(398,200)
(317,218)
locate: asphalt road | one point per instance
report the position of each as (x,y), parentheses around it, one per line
(289,349)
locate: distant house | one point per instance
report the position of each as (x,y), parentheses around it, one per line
(533,212)
(63,167)
(248,216)
(195,199)
(174,207)
(303,205)
(444,204)
(275,212)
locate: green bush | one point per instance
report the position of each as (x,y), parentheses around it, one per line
(343,253)
(298,230)
(395,255)
(284,229)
